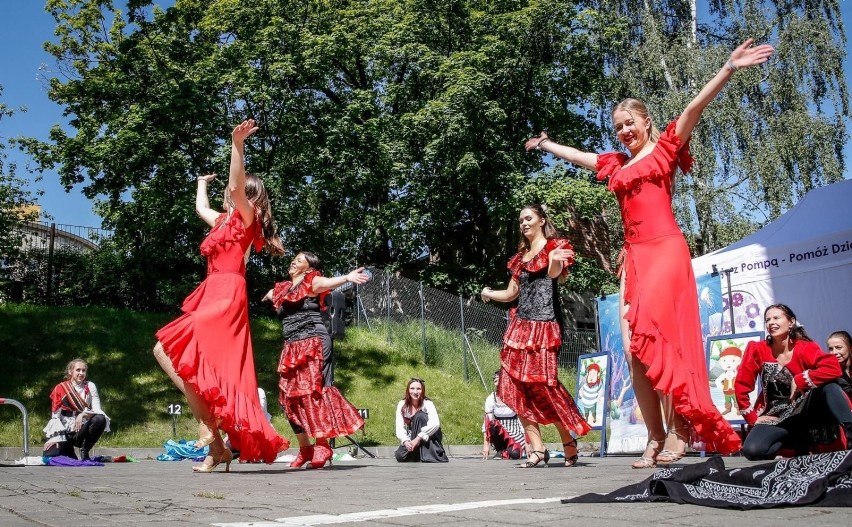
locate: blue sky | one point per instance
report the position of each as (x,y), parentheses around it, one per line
(24,27)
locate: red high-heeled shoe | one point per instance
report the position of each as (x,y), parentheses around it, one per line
(306,454)
(322,453)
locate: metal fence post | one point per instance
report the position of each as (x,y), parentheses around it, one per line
(357,311)
(463,350)
(50,264)
(423,322)
(388,300)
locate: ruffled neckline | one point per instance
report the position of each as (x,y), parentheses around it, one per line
(230,230)
(285,292)
(656,166)
(540,260)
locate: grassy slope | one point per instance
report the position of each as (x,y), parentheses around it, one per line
(37,343)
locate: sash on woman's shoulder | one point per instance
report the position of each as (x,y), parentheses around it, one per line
(72,399)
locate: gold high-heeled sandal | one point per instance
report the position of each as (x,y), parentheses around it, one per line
(206,435)
(646,461)
(215,459)
(666,456)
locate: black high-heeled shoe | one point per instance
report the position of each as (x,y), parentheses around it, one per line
(540,455)
(570,446)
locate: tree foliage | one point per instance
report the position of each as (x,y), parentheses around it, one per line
(14,197)
(774,133)
(390,130)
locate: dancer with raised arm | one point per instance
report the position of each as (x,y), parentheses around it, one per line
(659,302)
(207,352)
(529,377)
(315,408)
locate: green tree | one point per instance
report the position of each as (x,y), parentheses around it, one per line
(773,134)
(391,129)
(14,197)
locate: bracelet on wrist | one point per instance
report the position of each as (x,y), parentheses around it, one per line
(538,145)
(731,66)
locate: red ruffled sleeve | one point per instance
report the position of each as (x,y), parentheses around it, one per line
(284,291)
(516,265)
(608,163)
(56,397)
(658,166)
(232,232)
(540,260)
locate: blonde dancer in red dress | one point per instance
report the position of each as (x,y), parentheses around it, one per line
(207,352)
(660,323)
(529,377)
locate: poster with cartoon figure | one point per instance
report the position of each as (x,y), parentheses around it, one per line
(592,396)
(724,356)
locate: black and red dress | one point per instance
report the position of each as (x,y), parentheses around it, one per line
(313,406)
(529,382)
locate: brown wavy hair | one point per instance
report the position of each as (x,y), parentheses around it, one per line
(797,332)
(256,194)
(548,229)
(408,405)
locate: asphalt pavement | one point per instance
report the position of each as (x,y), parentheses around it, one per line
(365,491)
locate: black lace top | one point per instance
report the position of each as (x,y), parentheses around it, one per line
(300,314)
(538,294)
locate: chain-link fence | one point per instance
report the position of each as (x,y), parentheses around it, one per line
(456,335)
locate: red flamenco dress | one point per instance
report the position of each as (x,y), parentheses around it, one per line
(529,382)
(659,286)
(313,406)
(210,345)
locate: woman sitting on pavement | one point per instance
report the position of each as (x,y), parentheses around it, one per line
(840,345)
(76,415)
(801,404)
(501,428)
(418,427)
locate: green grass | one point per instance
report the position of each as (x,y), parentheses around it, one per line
(39,341)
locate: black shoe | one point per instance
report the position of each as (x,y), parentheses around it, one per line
(84,455)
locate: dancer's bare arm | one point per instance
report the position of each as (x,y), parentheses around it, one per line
(743,57)
(237,172)
(544,143)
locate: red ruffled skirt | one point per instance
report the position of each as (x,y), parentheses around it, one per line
(322,411)
(666,334)
(210,349)
(529,382)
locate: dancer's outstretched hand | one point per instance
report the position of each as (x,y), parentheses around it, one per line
(533,142)
(358,276)
(244,130)
(745,55)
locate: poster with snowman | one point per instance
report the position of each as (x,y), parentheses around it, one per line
(724,356)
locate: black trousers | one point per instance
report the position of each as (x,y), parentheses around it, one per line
(826,403)
(430,450)
(85,438)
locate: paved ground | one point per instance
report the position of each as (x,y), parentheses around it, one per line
(361,492)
